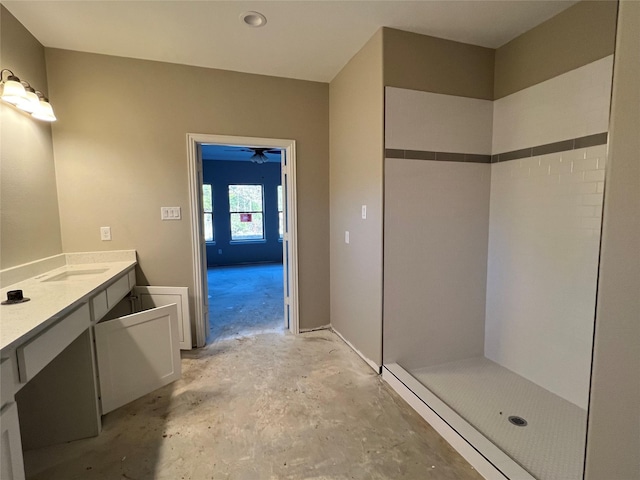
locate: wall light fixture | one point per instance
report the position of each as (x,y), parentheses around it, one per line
(25,97)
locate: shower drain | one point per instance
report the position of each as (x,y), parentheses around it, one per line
(518,421)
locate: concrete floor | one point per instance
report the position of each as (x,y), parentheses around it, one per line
(270,406)
(245,300)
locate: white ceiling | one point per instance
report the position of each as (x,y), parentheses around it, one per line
(310,40)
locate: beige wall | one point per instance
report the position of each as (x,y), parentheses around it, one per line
(356,138)
(580,35)
(613,444)
(29,222)
(430,64)
(120,149)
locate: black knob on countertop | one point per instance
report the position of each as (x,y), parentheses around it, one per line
(15,296)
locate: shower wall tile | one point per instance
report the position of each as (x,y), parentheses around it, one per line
(436,223)
(434,122)
(572,105)
(544,228)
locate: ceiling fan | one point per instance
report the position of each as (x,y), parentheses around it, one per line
(258,153)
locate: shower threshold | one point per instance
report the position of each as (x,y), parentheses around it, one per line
(548,447)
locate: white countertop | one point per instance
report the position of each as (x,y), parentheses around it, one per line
(51,300)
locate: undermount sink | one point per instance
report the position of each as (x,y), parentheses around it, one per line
(72,274)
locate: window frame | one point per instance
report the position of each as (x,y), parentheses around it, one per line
(280,207)
(206,213)
(261,212)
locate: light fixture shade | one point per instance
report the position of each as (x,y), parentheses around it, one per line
(13,91)
(30,102)
(259,158)
(44,111)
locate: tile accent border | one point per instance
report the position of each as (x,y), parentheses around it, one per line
(437,156)
(563,146)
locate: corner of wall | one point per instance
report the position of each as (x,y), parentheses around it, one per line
(356,158)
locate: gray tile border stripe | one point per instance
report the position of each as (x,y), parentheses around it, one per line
(515,154)
(419,155)
(393,153)
(449,157)
(563,146)
(437,156)
(552,148)
(591,140)
(473,158)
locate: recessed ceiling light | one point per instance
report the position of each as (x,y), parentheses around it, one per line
(253,19)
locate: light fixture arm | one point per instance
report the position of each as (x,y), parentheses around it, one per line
(11,76)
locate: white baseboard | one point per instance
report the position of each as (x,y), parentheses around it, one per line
(307,330)
(377,368)
(491,462)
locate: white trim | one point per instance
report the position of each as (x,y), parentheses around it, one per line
(316,329)
(194,140)
(370,362)
(292,236)
(491,462)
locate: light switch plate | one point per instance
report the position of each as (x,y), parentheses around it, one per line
(346,236)
(364,212)
(170,213)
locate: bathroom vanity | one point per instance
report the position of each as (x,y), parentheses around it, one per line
(69,355)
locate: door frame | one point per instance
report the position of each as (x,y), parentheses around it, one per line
(290,240)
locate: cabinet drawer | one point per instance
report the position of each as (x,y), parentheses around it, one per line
(37,353)
(99,304)
(117,291)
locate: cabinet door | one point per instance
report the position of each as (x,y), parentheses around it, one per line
(11,465)
(136,355)
(151,297)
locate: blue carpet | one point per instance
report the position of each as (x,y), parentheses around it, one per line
(245,300)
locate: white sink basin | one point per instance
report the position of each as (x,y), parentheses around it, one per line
(74,274)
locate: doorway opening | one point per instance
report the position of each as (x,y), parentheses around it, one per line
(244,229)
(244,245)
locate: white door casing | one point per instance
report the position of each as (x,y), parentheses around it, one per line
(290,246)
(289,253)
(152,297)
(198,243)
(137,354)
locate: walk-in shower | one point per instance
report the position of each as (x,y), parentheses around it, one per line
(493,210)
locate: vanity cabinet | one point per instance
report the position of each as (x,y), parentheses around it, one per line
(94,360)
